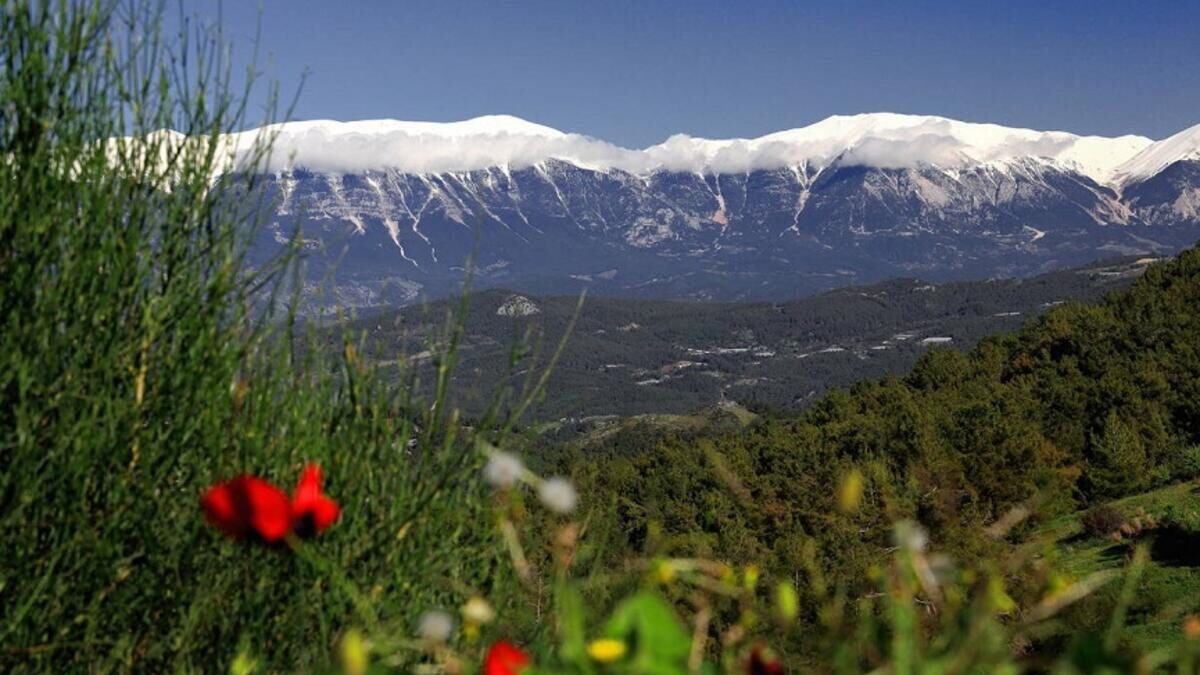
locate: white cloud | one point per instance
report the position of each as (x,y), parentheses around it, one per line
(880,140)
(428,153)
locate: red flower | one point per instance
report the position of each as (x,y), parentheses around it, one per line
(248,507)
(762,663)
(504,658)
(312,510)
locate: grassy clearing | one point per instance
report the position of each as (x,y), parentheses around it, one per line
(1170,587)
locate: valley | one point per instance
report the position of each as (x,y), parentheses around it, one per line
(635,357)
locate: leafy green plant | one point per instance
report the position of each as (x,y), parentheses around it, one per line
(142,358)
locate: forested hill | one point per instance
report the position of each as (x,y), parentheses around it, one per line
(1082,405)
(629,357)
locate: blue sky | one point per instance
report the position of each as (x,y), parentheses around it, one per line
(635,72)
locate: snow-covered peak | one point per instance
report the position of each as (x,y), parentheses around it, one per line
(889,140)
(881,140)
(1158,156)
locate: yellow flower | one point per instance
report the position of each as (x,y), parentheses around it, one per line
(664,572)
(750,577)
(606,650)
(354,653)
(850,492)
(787,603)
(478,611)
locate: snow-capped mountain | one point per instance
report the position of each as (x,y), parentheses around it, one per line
(1154,157)
(400,206)
(1162,182)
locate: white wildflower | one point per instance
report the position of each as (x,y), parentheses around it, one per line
(911,537)
(558,495)
(943,568)
(503,469)
(435,626)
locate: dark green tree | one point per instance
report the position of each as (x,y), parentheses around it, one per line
(1119,463)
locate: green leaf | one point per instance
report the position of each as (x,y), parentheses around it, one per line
(659,645)
(571,627)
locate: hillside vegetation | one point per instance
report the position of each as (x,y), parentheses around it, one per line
(1086,404)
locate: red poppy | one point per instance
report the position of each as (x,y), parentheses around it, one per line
(312,510)
(504,658)
(248,507)
(763,663)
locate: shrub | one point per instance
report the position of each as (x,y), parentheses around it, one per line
(1185,465)
(1102,520)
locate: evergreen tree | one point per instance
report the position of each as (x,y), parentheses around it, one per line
(1119,461)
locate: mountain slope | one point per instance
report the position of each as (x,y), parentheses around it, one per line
(397,208)
(1153,158)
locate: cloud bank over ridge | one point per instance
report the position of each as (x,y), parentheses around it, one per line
(881,140)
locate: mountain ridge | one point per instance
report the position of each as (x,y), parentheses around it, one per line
(882,140)
(850,199)
(1159,155)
